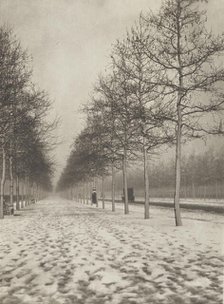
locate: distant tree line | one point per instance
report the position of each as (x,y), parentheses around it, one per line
(202,177)
(163,87)
(197,169)
(24,131)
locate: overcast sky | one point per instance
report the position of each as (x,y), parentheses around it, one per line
(70,42)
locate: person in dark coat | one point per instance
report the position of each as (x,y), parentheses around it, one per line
(94,197)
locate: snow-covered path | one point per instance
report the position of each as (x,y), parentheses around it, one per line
(58,251)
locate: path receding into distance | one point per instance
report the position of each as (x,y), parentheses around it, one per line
(59,251)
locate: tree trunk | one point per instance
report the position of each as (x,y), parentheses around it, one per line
(125,185)
(23,193)
(178,171)
(86,194)
(103,194)
(193,190)
(71,194)
(82,200)
(37,192)
(90,192)
(185,187)
(30,192)
(146,183)
(11,180)
(17,192)
(216,191)
(80,194)
(204,192)
(179,124)
(2,183)
(34,192)
(27,189)
(113,187)
(96,183)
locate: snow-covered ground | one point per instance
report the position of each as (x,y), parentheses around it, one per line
(62,252)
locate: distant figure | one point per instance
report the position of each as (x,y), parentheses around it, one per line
(94,197)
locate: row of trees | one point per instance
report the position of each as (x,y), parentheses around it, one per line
(202,176)
(197,169)
(163,88)
(24,132)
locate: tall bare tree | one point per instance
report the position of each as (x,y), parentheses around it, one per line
(189,72)
(146,98)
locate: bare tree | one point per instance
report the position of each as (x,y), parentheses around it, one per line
(117,93)
(152,134)
(14,76)
(20,103)
(189,72)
